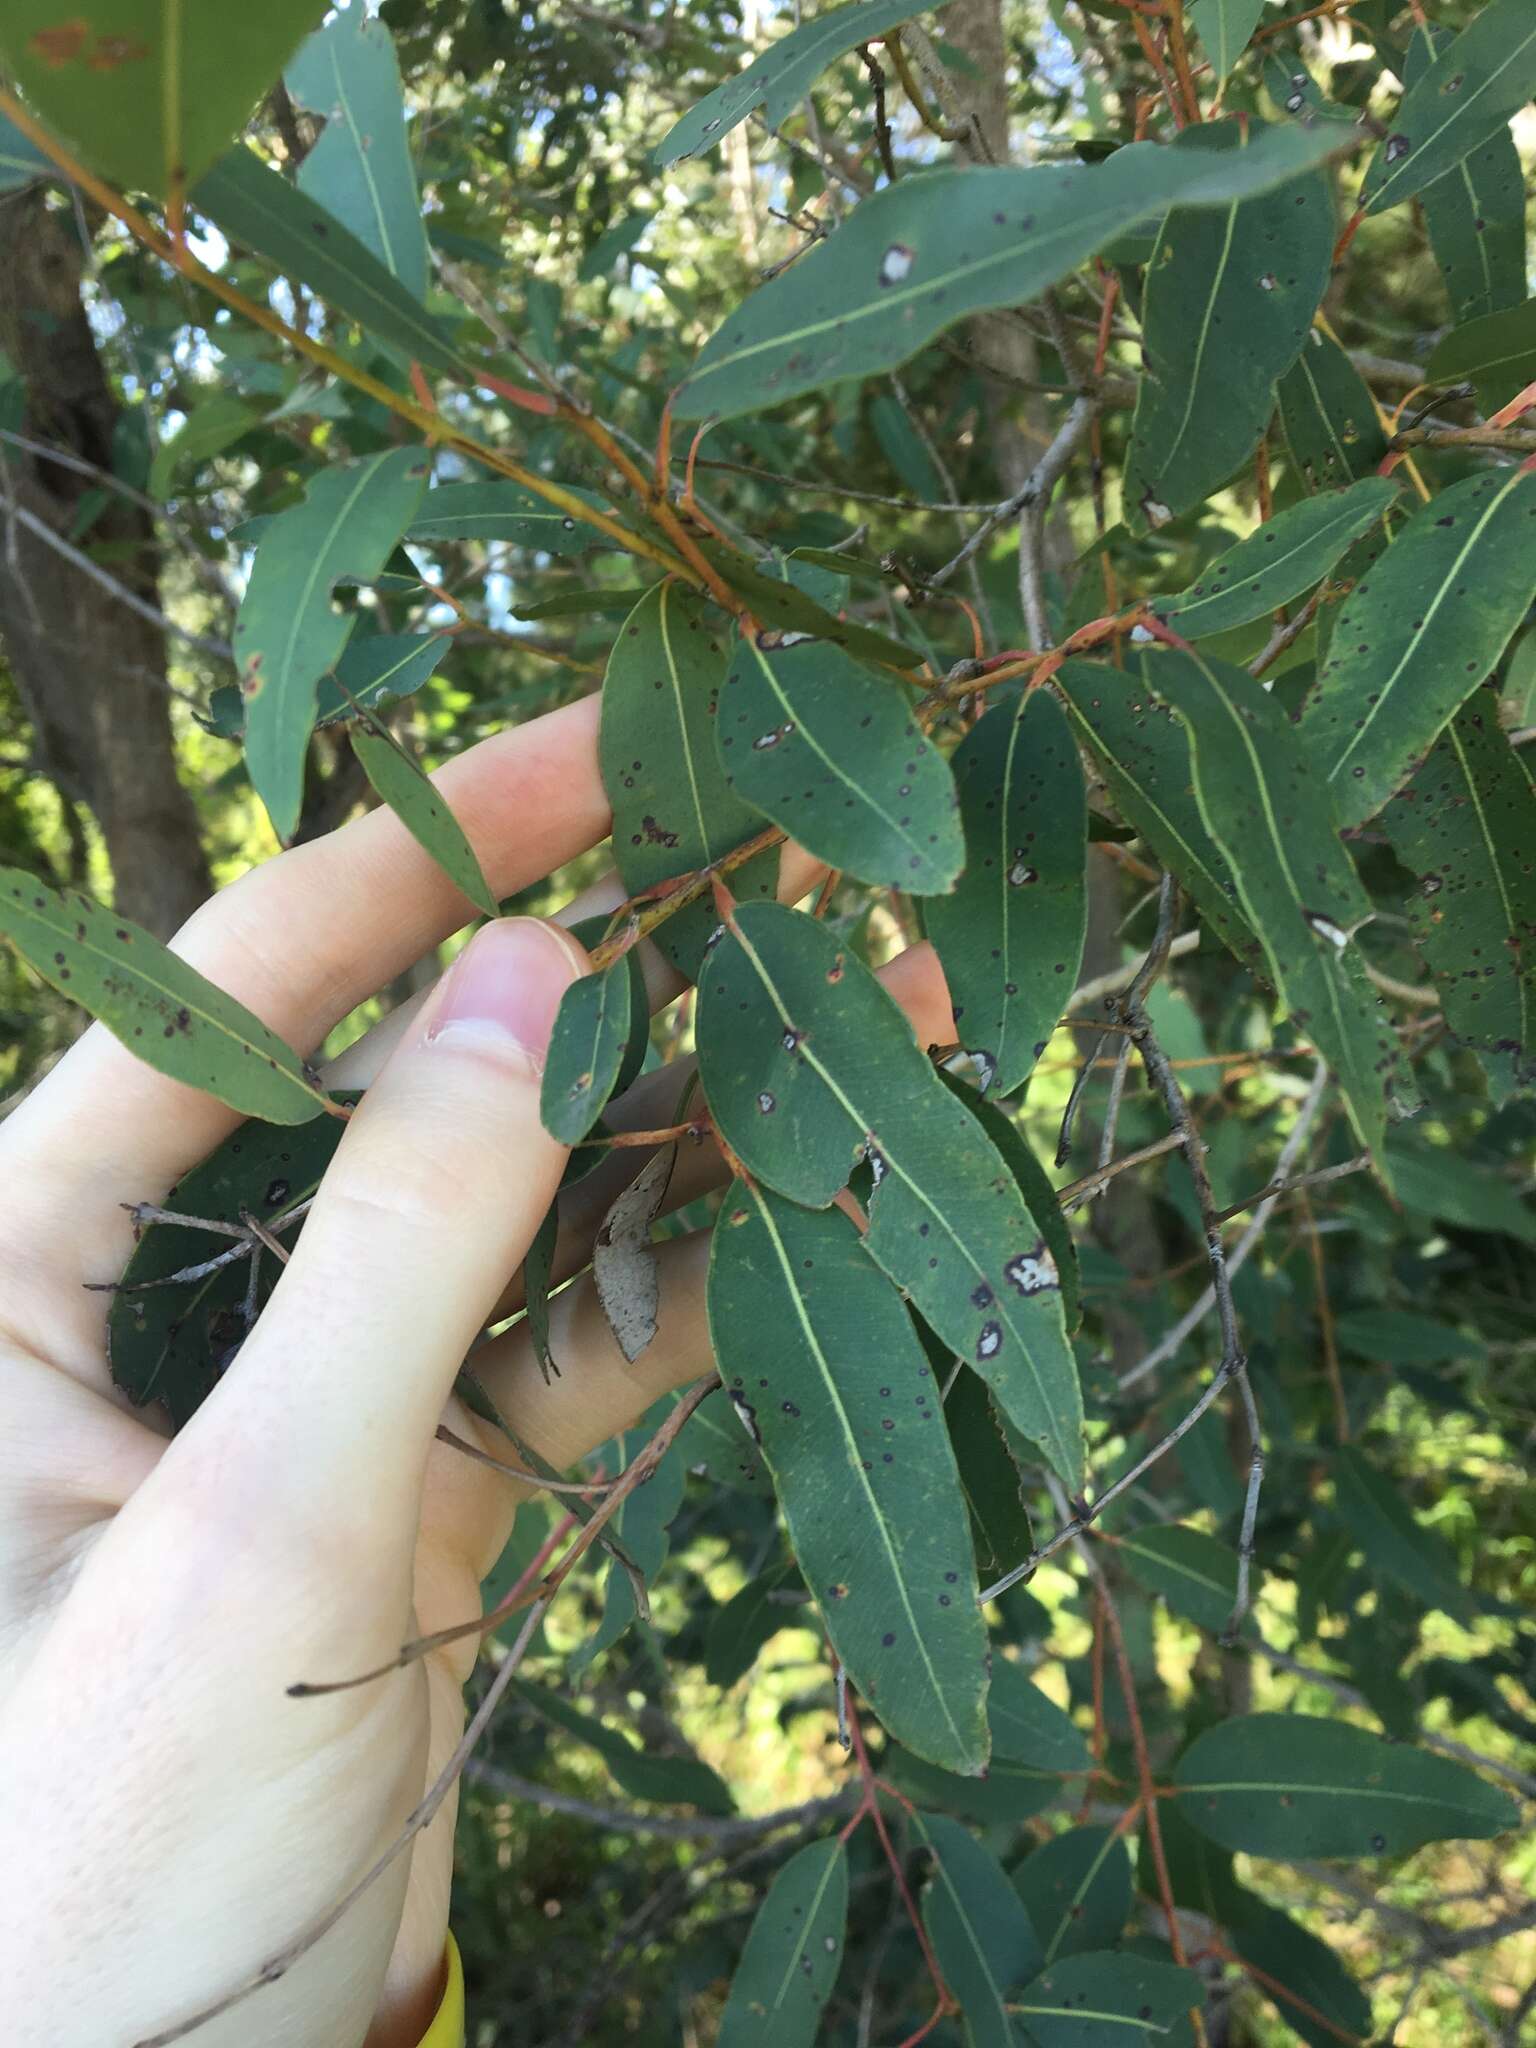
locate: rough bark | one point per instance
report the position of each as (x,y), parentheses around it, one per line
(91,673)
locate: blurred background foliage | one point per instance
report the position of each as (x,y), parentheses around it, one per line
(145,425)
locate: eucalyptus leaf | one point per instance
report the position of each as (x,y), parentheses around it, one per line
(424,813)
(1496,352)
(869,1490)
(1475,214)
(165,1012)
(793,1953)
(1076,1889)
(501,512)
(980,1931)
(1473,88)
(1330,422)
(1106,2001)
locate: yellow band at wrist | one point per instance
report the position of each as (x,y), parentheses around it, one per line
(447,2028)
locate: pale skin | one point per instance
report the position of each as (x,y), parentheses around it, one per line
(169,1816)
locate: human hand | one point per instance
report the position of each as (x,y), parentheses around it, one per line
(171,1815)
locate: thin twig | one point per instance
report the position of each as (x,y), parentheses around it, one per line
(704,1827)
(1032,493)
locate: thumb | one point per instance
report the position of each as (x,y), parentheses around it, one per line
(436,1190)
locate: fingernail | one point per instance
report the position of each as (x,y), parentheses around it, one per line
(505,987)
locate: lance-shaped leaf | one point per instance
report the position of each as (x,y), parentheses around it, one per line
(593,1029)
(1038,1755)
(259,209)
(1224,27)
(379,670)
(174,1343)
(990,1480)
(1196,1574)
(1475,86)
(1230,295)
(832,752)
(673,809)
(1286,556)
(1292,1786)
(218,423)
(738,1631)
(1299,1974)
(846,1408)
(782,76)
(150,92)
(809,1065)
(502,512)
(1266,804)
(538,1268)
(1034,1184)
(1465,827)
(921,255)
(1106,2000)
(793,605)
(1496,352)
(1418,634)
(164,1011)
(1010,937)
(666,1780)
(980,1931)
(1076,1889)
(1331,425)
(642,1525)
(793,1954)
(1475,214)
(360,168)
(424,813)
(1142,752)
(289,633)
(1395,1543)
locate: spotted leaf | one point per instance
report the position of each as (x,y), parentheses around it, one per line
(980,1931)
(1475,214)
(1230,296)
(1417,636)
(1010,937)
(793,1954)
(833,753)
(846,1409)
(1474,87)
(809,1066)
(673,807)
(1330,422)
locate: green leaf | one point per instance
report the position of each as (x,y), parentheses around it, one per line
(673,809)
(751,1618)
(360,168)
(1330,422)
(660,1780)
(1394,1541)
(1496,352)
(793,1954)
(1292,1787)
(1230,295)
(1010,937)
(1475,214)
(1395,1337)
(642,1523)
(218,423)
(980,1931)
(840,1398)
(1282,558)
(1076,1889)
(163,1010)
(378,669)
(990,1480)
(538,1265)
(831,751)
(575,604)
(1465,828)
(1439,1182)
(424,813)
(149,91)
(808,1065)
(1417,636)
(1034,1184)
(1106,2001)
(781,77)
(783,607)
(504,512)
(1196,1574)
(1327,2006)
(289,633)
(1037,1754)
(919,256)
(174,1344)
(1224,27)
(586,1050)
(1475,87)
(1143,754)
(258,208)
(1266,804)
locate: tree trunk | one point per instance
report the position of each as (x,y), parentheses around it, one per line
(91,673)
